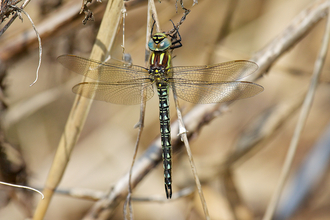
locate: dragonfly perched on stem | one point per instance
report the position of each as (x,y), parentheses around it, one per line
(121,83)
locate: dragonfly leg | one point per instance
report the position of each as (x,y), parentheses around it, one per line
(175,38)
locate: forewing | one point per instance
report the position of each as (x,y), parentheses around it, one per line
(227,71)
(204,92)
(129,93)
(113,71)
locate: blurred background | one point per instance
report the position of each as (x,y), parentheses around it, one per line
(33,118)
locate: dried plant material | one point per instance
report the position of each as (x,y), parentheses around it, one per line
(88,13)
(23,187)
(79,111)
(18,11)
(7,9)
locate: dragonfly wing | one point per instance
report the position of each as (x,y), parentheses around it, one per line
(227,71)
(113,71)
(205,92)
(129,93)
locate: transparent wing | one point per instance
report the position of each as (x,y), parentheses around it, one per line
(127,93)
(206,92)
(113,71)
(227,71)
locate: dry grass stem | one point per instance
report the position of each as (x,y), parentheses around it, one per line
(160,199)
(152,17)
(152,14)
(95,195)
(183,135)
(80,109)
(82,193)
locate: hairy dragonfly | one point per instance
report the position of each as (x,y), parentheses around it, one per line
(120,83)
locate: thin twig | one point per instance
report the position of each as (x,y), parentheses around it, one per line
(160,199)
(124,14)
(183,18)
(23,187)
(301,122)
(19,10)
(140,125)
(95,195)
(39,46)
(183,134)
(152,18)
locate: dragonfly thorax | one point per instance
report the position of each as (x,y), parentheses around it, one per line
(160,62)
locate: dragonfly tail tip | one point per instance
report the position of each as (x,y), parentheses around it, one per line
(168,190)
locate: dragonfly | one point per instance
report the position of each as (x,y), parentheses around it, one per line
(122,83)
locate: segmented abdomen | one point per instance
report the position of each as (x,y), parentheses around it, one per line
(165,133)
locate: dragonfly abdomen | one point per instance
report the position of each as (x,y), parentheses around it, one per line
(165,133)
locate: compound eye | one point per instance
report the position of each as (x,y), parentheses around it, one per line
(161,44)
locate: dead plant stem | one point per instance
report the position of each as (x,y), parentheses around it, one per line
(80,109)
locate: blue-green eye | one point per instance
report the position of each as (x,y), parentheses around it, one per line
(164,44)
(151,45)
(159,42)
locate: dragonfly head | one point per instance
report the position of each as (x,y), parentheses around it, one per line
(159,42)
